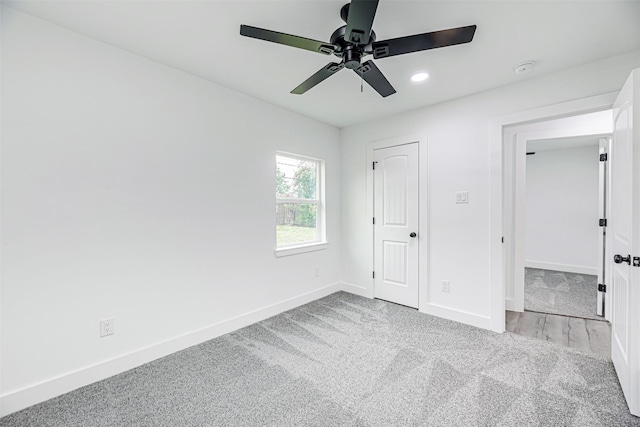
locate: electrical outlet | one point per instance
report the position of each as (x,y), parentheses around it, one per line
(446,286)
(317,272)
(107,327)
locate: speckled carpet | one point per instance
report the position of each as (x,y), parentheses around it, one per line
(348,360)
(557,292)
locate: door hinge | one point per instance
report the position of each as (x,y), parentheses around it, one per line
(603,157)
(636,261)
(374,274)
(502,239)
(374,220)
(602,288)
(602,222)
(374,165)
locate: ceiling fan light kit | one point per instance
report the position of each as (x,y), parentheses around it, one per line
(356,40)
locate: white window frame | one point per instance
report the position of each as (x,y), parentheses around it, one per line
(319,201)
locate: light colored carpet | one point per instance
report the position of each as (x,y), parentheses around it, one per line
(557,292)
(348,360)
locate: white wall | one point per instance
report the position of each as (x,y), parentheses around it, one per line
(561,226)
(135,191)
(459,158)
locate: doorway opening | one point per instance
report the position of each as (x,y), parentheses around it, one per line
(555,244)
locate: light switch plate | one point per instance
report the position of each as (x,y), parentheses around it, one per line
(462,197)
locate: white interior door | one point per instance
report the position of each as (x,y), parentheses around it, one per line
(396,224)
(625,229)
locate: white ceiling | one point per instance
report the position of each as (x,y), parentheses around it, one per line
(202,38)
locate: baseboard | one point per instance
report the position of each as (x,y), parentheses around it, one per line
(473,319)
(561,267)
(28,396)
(357,290)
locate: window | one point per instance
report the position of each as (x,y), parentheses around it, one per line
(299,204)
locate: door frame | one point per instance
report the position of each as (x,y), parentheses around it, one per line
(514,193)
(497,129)
(423,211)
(604,239)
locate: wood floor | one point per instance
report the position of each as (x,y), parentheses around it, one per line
(583,334)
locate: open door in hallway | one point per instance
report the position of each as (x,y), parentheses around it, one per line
(396,224)
(625,229)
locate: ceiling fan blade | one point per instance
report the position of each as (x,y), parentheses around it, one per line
(418,42)
(360,21)
(325,72)
(288,39)
(374,77)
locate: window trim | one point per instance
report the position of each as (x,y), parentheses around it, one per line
(307,246)
(300,249)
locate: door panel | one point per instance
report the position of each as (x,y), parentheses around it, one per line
(625,241)
(396,217)
(395,171)
(621,319)
(395,262)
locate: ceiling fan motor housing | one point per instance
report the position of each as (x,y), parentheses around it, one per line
(350,52)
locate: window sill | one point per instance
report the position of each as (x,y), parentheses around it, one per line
(301,249)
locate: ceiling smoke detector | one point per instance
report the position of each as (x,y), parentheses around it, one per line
(523,68)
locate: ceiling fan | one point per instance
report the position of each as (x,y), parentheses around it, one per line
(354,41)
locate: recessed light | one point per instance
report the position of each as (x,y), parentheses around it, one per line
(419,77)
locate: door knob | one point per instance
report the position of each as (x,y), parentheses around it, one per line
(412,235)
(619,259)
